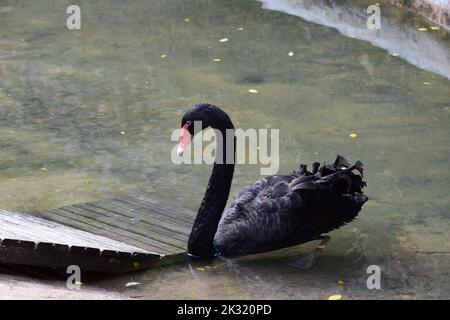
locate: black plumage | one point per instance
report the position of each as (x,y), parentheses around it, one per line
(275,212)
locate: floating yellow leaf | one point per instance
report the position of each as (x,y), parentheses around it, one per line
(201,269)
(44,169)
(353,135)
(136,264)
(163,56)
(335,297)
(435,28)
(426,83)
(223,40)
(341,282)
(93,51)
(38,22)
(217,60)
(186,20)
(122,132)
(252,90)
(423,29)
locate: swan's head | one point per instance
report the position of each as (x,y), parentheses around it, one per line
(205,114)
(199,113)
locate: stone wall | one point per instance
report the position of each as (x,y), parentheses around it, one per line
(437,11)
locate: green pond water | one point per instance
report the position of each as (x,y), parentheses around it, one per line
(86,115)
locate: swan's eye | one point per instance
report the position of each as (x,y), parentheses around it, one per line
(186,125)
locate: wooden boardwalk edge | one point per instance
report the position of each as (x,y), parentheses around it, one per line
(44,254)
(152,227)
(112,236)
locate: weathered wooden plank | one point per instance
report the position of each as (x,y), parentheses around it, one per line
(145,217)
(139,226)
(29,240)
(25,227)
(88,259)
(182,215)
(152,234)
(114,221)
(146,224)
(97,227)
(163,231)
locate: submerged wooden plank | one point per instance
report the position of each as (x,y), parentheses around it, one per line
(97,227)
(148,225)
(143,217)
(116,235)
(183,215)
(29,240)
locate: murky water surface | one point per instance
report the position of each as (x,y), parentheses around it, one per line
(86,115)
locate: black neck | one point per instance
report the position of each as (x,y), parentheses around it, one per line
(205,226)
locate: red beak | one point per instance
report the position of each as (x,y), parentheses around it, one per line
(185,138)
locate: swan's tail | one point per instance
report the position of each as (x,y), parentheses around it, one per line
(335,189)
(337,178)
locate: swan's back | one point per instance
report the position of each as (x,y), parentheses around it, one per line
(284,210)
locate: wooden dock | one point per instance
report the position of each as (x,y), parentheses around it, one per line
(116,235)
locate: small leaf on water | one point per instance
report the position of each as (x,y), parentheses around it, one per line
(353,135)
(163,56)
(435,28)
(252,90)
(186,20)
(223,40)
(44,169)
(131,284)
(423,29)
(426,83)
(217,60)
(201,269)
(240,29)
(122,132)
(136,264)
(291,54)
(341,282)
(395,54)
(335,297)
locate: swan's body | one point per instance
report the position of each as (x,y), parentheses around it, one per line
(286,210)
(274,212)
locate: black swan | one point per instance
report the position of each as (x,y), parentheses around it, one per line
(275,212)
